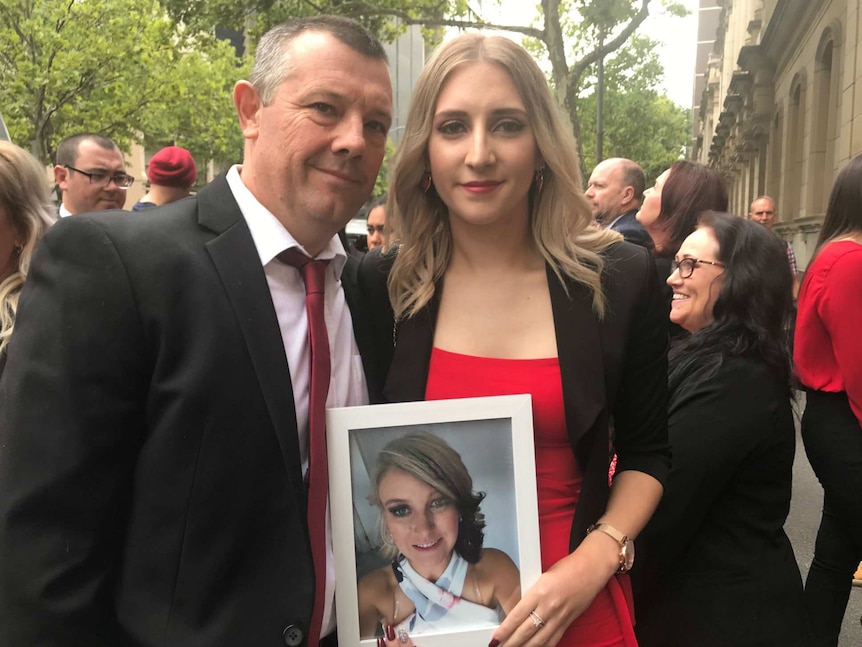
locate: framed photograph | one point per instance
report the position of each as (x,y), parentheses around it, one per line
(426,499)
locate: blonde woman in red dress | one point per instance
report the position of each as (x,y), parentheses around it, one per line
(501,284)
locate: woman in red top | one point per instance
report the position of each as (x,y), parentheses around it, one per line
(828,358)
(503,285)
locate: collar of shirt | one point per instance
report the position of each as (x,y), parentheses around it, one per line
(614,221)
(269,235)
(64,212)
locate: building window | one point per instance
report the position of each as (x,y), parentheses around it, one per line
(776,143)
(824,119)
(794,158)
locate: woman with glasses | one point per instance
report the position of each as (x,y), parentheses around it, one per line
(670,210)
(25,214)
(714,565)
(828,358)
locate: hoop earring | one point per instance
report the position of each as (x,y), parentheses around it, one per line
(540,179)
(426,181)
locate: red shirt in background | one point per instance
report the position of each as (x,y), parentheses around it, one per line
(828,341)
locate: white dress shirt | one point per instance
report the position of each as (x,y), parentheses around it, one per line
(347,385)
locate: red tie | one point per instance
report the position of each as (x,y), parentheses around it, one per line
(314,274)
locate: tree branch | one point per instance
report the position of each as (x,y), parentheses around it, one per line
(579,67)
(362,8)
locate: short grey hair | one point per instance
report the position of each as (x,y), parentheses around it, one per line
(272,61)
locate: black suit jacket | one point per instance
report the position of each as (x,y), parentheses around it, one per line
(611,367)
(150,470)
(634,232)
(715,567)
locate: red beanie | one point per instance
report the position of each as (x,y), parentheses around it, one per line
(172,166)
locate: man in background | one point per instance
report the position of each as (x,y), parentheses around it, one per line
(172,173)
(763,211)
(615,191)
(376,223)
(91,174)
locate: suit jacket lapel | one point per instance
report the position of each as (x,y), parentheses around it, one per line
(237,262)
(414,338)
(362,327)
(579,347)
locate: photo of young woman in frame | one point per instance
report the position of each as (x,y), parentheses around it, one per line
(461,473)
(438,575)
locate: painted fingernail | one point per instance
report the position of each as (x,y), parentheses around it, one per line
(381,642)
(494,642)
(390,632)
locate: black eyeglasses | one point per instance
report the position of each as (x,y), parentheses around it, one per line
(686,266)
(100,178)
(378,228)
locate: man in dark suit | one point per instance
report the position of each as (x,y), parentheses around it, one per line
(615,191)
(154,408)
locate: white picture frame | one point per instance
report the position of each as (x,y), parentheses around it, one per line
(493,435)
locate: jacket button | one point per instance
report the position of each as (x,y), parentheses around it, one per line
(293,636)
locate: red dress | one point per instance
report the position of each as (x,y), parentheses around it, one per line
(607,622)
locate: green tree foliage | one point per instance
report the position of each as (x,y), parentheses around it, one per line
(646,127)
(254,17)
(572,35)
(381,185)
(639,123)
(199,113)
(579,33)
(141,70)
(119,67)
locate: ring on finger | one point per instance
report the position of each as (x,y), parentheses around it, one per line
(402,635)
(537,621)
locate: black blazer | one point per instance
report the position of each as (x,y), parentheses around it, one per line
(634,232)
(150,474)
(715,567)
(610,368)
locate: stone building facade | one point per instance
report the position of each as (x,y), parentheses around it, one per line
(780,105)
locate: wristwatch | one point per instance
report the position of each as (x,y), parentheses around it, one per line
(627,546)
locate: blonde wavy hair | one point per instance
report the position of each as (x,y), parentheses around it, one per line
(26,201)
(560,216)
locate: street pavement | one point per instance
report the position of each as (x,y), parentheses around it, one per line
(801,527)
